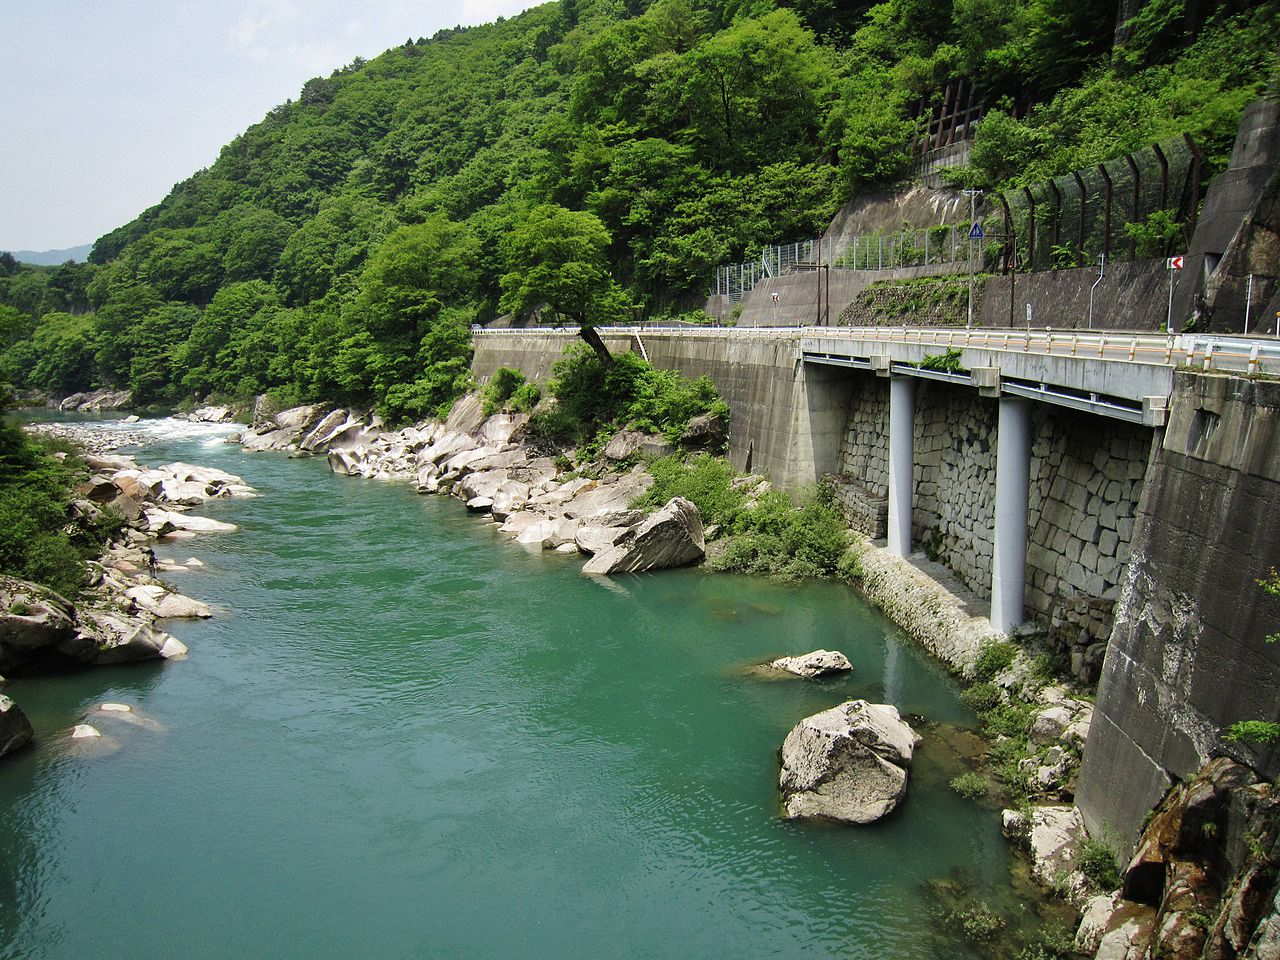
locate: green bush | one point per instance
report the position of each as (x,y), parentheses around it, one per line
(793,543)
(982,696)
(35,540)
(630,392)
(1098,863)
(994,658)
(971,786)
(525,397)
(702,479)
(500,388)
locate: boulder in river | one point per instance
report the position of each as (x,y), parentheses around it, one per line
(817,663)
(32,619)
(671,537)
(108,637)
(15,728)
(847,764)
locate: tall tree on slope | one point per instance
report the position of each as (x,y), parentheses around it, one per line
(557,258)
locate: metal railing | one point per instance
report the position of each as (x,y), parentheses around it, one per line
(1248,355)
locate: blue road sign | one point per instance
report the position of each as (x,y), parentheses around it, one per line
(975,232)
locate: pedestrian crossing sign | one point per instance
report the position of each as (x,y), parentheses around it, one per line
(975,232)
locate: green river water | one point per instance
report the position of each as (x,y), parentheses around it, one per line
(403,736)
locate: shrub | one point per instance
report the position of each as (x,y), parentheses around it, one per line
(971,786)
(500,388)
(526,397)
(1253,731)
(702,479)
(850,566)
(630,392)
(982,696)
(1098,863)
(994,658)
(794,543)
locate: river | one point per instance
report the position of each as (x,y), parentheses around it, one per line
(403,736)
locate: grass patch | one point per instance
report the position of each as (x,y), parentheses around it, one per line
(971,786)
(1098,863)
(994,658)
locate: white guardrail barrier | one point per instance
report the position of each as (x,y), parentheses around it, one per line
(1248,355)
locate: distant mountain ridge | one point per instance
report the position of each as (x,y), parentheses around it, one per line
(53,258)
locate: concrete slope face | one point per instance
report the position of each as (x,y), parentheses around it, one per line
(1188,655)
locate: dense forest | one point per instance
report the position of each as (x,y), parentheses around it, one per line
(593,160)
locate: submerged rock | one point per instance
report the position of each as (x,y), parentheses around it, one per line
(15,728)
(847,763)
(818,663)
(671,537)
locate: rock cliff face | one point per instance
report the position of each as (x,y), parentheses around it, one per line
(1203,883)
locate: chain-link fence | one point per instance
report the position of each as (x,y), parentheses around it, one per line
(873,251)
(1142,204)
(734,281)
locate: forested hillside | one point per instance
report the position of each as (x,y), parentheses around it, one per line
(594,157)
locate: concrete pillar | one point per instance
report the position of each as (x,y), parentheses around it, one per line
(1013,473)
(902,424)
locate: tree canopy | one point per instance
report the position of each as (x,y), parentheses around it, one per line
(591,159)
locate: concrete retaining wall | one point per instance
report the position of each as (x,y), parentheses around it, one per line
(788,417)
(1132,296)
(1188,654)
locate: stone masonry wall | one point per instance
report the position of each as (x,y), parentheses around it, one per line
(1086,479)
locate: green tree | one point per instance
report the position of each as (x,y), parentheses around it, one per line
(556,258)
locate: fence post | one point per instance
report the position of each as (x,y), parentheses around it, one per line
(1106,210)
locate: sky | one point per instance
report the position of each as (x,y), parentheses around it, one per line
(106,104)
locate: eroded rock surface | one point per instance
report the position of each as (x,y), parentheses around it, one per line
(818,663)
(671,537)
(848,763)
(15,728)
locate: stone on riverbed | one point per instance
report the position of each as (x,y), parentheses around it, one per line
(847,764)
(165,605)
(818,663)
(15,728)
(671,537)
(162,521)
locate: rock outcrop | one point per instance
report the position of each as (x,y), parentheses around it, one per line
(481,461)
(15,728)
(847,764)
(96,400)
(817,663)
(285,429)
(1202,883)
(672,537)
(114,620)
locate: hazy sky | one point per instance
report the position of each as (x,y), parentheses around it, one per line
(106,104)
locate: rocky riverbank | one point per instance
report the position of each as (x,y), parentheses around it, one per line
(118,618)
(485,461)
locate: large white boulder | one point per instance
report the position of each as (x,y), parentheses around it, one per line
(671,537)
(160,603)
(847,763)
